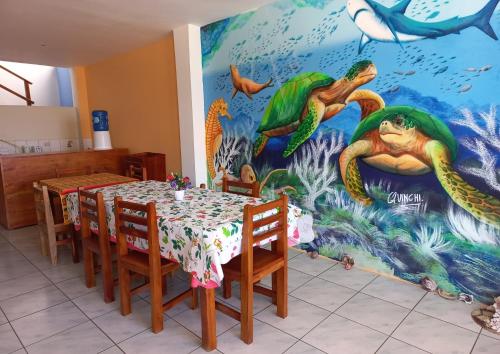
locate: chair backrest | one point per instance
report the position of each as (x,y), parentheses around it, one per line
(138,172)
(138,221)
(45,220)
(76,171)
(260,223)
(241,188)
(92,208)
(43,209)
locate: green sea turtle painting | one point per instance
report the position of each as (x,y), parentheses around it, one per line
(407,141)
(308,99)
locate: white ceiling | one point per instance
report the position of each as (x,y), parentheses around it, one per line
(76,32)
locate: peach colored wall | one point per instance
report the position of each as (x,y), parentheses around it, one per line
(139,91)
(82,101)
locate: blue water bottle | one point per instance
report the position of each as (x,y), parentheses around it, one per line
(102,140)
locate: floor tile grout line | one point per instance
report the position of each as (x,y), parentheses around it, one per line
(8,321)
(256,313)
(120,349)
(475,342)
(27,292)
(195,349)
(488,335)
(55,334)
(18,276)
(13,330)
(386,301)
(342,285)
(313,276)
(283,352)
(451,323)
(91,319)
(322,308)
(319,323)
(410,310)
(217,335)
(399,325)
(46,308)
(391,302)
(97,326)
(107,312)
(55,284)
(362,324)
(69,300)
(331,312)
(148,328)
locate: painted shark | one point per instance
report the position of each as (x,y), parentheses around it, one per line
(389,24)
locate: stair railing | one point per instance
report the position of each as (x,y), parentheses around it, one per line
(27,84)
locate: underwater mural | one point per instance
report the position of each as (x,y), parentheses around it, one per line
(379,118)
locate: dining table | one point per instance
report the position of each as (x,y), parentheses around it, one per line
(201,233)
(60,187)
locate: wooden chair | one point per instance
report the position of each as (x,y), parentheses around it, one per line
(51,234)
(255,263)
(241,188)
(102,169)
(138,172)
(96,241)
(149,264)
(70,172)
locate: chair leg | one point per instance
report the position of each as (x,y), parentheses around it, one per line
(226,288)
(107,278)
(88,264)
(194,294)
(164,284)
(74,247)
(53,257)
(246,294)
(52,247)
(156,303)
(44,247)
(274,249)
(281,292)
(274,280)
(125,300)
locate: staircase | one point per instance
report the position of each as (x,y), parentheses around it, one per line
(27,95)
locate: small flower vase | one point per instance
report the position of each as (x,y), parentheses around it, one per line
(179,195)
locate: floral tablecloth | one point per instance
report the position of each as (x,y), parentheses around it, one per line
(65,185)
(202,232)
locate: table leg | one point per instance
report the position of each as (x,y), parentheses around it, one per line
(208,323)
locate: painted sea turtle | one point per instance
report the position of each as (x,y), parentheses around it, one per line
(408,141)
(310,98)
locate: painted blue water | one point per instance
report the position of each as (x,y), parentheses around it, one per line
(441,76)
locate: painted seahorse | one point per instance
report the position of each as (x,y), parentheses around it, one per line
(245,85)
(213,132)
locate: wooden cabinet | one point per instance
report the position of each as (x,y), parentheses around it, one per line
(17,173)
(152,161)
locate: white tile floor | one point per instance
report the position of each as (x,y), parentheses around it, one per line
(48,309)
